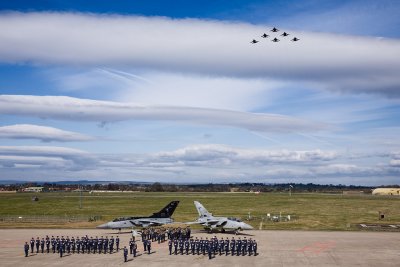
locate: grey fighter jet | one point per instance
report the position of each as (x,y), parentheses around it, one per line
(159,218)
(209,222)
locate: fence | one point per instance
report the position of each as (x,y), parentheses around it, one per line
(48,219)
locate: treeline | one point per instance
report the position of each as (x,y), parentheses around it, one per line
(211,187)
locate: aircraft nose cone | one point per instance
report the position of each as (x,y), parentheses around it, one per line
(247,227)
(102,226)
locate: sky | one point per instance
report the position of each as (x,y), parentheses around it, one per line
(175,92)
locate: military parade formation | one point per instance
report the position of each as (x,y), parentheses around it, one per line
(213,246)
(180,242)
(82,245)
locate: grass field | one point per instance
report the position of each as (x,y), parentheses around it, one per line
(311,211)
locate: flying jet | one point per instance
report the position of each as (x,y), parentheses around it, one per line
(284,34)
(264,35)
(275,40)
(274,30)
(295,39)
(158,218)
(254,41)
(209,222)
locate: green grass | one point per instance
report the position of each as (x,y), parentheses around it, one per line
(312,211)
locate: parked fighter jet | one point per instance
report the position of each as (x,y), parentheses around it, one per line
(284,34)
(210,222)
(159,218)
(274,30)
(264,35)
(254,41)
(275,40)
(295,39)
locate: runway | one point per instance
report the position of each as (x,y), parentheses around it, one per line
(276,248)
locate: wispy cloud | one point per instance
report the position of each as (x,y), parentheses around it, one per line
(68,108)
(43,133)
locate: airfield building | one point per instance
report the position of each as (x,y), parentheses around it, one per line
(386,191)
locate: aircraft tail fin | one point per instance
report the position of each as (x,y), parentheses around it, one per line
(201,210)
(167,211)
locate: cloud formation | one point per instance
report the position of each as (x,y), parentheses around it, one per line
(43,133)
(69,108)
(331,61)
(45,157)
(200,163)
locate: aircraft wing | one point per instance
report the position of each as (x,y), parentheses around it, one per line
(146,223)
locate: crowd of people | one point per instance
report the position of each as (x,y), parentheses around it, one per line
(180,242)
(82,245)
(188,245)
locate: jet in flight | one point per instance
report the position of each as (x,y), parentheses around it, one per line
(274,30)
(159,218)
(295,39)
(254,41)
(209,222)
(264,35)
(284,34)
(275,40)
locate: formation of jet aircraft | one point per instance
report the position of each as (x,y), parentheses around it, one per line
(275,39)
(206,219)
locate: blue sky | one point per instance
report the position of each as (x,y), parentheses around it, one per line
(173,91)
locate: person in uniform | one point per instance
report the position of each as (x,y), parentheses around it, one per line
(175,246)
(197,245)
(149,246)
(187,246)
(233,246)
(100,244)
(238,246)
(117,243)
(60,249)
(111,246)
(48,245)
(170,246)
(209,246)
(226,244)
(53,244)
(244,246)
(144,241)
(105,244)
(125,254)
(131,246)
(26,249)
(255,247)
(134,248)
(37,244)
(221,246)
(181,245)
(42,245)
(192,245)
(78,245)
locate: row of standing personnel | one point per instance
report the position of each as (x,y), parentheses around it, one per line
(75,245)
(213,246)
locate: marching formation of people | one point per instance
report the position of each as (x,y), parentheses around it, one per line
(72,245)
(238,247)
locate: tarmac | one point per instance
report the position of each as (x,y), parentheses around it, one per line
(275,248)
